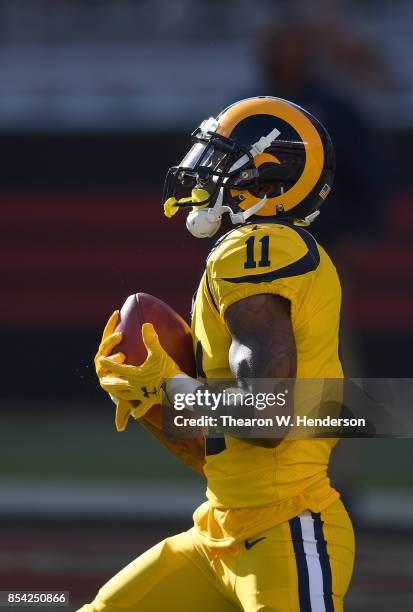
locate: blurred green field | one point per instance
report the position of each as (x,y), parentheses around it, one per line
(68,444)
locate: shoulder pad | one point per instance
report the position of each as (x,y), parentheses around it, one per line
(263,252)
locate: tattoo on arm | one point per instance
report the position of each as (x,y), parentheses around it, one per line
(263,344)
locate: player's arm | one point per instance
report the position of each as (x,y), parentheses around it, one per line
(262,347)
(190,451)
(263,344)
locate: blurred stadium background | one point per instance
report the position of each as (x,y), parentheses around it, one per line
(97,98)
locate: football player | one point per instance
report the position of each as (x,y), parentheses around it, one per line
(273,533)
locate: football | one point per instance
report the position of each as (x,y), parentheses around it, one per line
(173,331)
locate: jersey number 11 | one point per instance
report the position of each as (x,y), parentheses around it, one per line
(264,261)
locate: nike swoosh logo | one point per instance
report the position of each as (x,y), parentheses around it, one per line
(252,543)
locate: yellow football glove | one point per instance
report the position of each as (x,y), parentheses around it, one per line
(139,383)
(107,344)
(124,408)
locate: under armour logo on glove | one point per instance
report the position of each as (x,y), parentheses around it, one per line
(147,393)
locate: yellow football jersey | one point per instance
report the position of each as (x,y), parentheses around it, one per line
(251,488)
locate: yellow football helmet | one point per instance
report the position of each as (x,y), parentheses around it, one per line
(261,156)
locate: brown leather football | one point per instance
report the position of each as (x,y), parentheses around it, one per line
(173,331)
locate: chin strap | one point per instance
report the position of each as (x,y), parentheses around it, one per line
(200,198)
(241,217)
(205,222)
